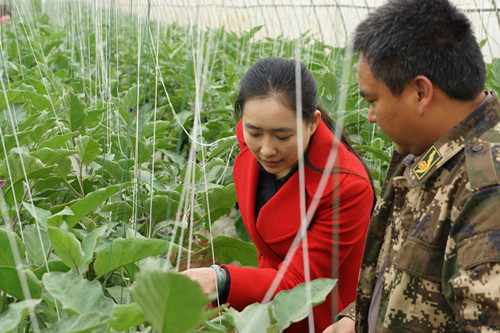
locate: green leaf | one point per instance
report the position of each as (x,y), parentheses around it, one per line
(77,110)
(291,306)
(287,307)
(87,322)
(120,294)
(67,247)
(33,166)
(89,204)
(52,78)
(14,118)
(254,315)
(123,251)
(16,312)
(483,43)
(115,170)
(37,244)
(8,242)
(90,241)
(222,145)
(13,193)
(88,148)
(215,325)
(12,281)
(240,228)
(11,141)
(54,266)
(228,249)
(133,95)
(57,141)
(222,201)
(163,204)
(52,156)
(54,41)
(126,316)
(40,102)
(495,72)
(13,96)
(378,153)
(77,295)
(171,302)
(122,211)
(40,215)
(57,220)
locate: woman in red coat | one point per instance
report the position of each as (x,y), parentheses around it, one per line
(267,175)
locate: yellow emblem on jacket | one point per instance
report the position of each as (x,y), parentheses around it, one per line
(430,158)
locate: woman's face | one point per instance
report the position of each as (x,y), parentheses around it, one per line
(270,131)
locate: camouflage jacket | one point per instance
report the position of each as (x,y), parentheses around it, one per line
(438,226)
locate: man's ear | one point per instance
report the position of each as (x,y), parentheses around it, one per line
(425,92)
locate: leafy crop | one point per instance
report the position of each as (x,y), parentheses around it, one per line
(116,160)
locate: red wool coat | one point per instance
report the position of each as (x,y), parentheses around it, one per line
(344,206)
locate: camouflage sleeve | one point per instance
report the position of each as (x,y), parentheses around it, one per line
(472,262)
(349,311)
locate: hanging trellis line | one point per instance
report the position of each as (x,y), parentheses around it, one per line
(118,141)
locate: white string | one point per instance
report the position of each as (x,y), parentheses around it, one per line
(203,67)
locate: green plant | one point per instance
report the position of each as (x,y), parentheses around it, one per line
(116,160)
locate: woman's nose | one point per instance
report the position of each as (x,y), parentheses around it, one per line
(267,148)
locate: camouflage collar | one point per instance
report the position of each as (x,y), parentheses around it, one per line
(485,117)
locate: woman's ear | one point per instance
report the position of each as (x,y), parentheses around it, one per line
(315,121)
(425,91)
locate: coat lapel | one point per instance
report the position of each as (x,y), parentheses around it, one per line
(280,218)
(246,176)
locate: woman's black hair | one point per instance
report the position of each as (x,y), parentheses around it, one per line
(276,77)
(5,10)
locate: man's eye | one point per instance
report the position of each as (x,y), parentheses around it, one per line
(283,138)
(254,135)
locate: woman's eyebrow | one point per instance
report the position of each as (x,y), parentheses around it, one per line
(278,129)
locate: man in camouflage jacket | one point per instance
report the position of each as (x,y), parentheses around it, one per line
(437,229)
(432,255)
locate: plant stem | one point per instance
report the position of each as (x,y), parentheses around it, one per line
(28,324)
(48,253)
(71,187)
(80,180)
(192,254)
(3,299)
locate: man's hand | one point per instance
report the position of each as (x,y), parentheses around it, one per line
(344,325)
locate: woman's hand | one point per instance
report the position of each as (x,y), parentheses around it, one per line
(5,20)
(206,277)
(344,325)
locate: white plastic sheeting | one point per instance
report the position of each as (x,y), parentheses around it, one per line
(331,21)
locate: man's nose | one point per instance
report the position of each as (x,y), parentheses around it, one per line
(371,116)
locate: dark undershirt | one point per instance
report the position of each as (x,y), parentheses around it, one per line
(268,186)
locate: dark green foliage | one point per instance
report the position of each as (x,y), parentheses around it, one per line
(97,161)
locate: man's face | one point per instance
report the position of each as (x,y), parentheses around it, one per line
(396,115)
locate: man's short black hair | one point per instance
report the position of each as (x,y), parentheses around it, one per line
(406,38)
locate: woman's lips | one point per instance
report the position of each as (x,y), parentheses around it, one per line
(271,164)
